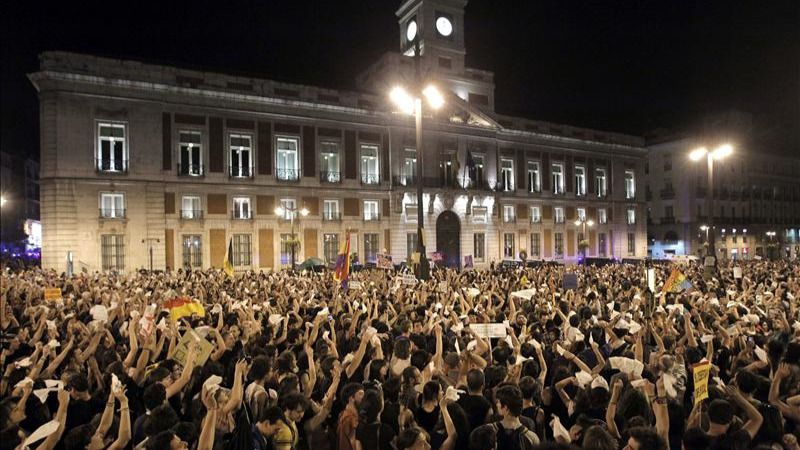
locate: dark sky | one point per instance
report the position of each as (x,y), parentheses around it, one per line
(632,66)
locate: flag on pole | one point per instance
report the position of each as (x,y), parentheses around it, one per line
(182,307)
(227,266)
(341,271)
(677,282)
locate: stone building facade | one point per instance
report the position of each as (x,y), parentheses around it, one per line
(149,165)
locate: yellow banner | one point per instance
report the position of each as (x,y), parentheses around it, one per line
(701,372)
(52,294)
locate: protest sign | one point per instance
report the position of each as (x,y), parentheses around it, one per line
(700,372)
(414,258)
(570,281)
(182,349)
(409,278)
(525,293)
(737,272)
(51,294)
(355,285)
(489,330)
(384,261)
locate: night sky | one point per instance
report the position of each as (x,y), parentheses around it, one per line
(632,66)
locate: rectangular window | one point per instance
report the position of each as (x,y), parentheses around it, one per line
(241,250)
(241,208)
(192,251)
(411,245)
(558,178)
(289,206)
(191,148)
(410,167)
(330,210)
(111,149)
(330,244)
(449,169)
(369,164)
(329,165)
(581,214)
(241,161)
(286,248)
(631,244)
(287,167)
(534,177)
(112,205)
(602,215)
(371,210)
(508,245)
(668,212)
(558,214)
(507,174)
(509,213)
(536,214)
(580,180)
(190,207)
(601,183)
(371,247)
(630,184)
(601,244)
(536,245)
(631,215)
(112,251)
(478,178)
(479,246)
(559,244)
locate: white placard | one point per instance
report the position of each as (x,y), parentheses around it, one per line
(737,272)
(489,330)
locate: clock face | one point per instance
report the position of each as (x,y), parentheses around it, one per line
(444,26)
(411,30)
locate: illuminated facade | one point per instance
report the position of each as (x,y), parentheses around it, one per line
(140,159)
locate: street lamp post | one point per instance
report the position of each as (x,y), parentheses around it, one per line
(583,223)
(149,242)
(412,104)
(705,228)
(719,153)
(292,212)
(771,245)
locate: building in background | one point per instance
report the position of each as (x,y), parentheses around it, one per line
(756,195)
(157,165)
(19,212)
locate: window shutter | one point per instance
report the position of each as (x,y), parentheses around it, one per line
(264,148)
(216,154)
(309,152)
(166,141)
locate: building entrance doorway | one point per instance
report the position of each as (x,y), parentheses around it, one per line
(448,238)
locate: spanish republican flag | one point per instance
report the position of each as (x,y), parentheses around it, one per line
(341,272)
(183,307)
(227,266)
(676,282)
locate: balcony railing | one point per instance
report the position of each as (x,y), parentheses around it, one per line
(509,219)
(112,213)
(372,217)
(331,216)
(287,174)
(111,165)
(559,220)
(667,193)
(330,177)
(190,170)
(191,214)
(240,172)
(241,215)
(535,220)
(370,178)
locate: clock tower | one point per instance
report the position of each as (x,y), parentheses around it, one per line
(438,25)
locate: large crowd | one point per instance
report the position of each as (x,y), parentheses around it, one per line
(283,360)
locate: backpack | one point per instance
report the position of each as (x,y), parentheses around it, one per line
(519,439)
(242,436)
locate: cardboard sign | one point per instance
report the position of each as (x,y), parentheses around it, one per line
(737,272)
(489,330)
(384,261)
(570,281)
(409,279)
(182,349)
(51,294)
(700,374)
(355,285)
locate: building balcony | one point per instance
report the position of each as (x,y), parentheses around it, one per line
(373,217)
(111,166)
(190,170)
(536,220)
(240,172)
(509,219)
(241,215)
(331,216)
(330,177)
(112,214)
(191,214)
(667,193)
(559,220)
(370,179)
(287,174)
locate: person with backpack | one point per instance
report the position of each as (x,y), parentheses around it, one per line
(511,433)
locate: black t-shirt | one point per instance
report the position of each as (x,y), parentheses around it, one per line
(476,407)
(427,420)
(732,440)
(80,412)
(375,436)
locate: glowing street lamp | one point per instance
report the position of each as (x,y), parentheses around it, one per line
(719,153)
(584,223)
(283,211)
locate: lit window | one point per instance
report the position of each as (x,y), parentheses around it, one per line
(410,167)
(330,242)
(631,215)
(601,185)
(241,207)
(479,246)
(369,164)
(630,184)
(558,214)
(190,207)
(289,206)
(241,250)
(370,210)
(330,210)
(191,149)
(534,177)
(371,247)
(507,174)
(111,149)
(112,205)
(509,213)
(631,244)
(536,214)
(241,162)
(558,178)
(581,213)
(508,245)
(287,167)
(192,251)
(112,251)
(602,215)
(329,166)
(580,180)
(559,244)
(536,245)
